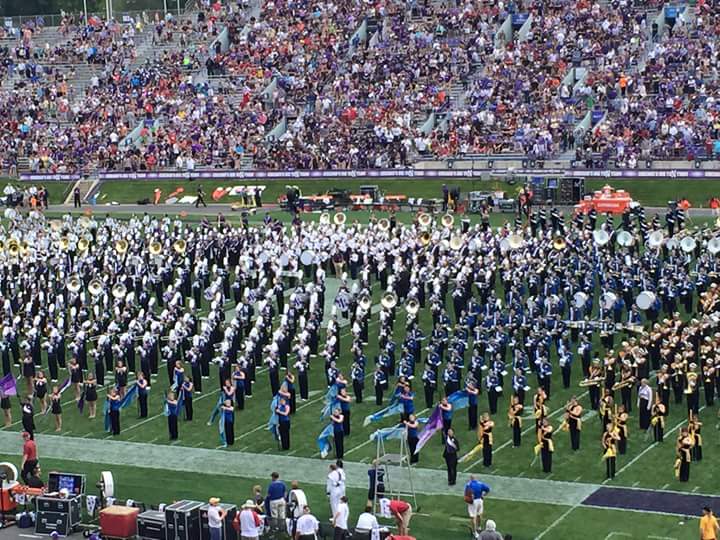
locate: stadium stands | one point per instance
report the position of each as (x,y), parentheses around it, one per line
(356,85)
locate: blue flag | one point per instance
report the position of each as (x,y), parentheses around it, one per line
(274,421)
(459,399)
(396,408)
(387,434)
(216,410)
(323,440)
(331,402)
(221,429)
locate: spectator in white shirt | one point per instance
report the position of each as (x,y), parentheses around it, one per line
(216,514)
(340,519)
(367,522)
(307,526)
(249,521)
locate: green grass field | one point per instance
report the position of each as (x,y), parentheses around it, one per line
(646,465)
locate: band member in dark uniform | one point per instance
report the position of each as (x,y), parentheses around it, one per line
(472,406)
(337,419)
(451,447)
(56,408)
(172,415)
(143,387)
(187,389)
(114,400)
(228,413)
(91,396)
(283,412)
(411,425)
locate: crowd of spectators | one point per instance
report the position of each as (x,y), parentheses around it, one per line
(349,102)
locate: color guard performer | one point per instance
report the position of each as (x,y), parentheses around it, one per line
(485,437)
(539,407)
(610,439)
(545,443)
(683,452)
(515,420)
(658,419)
(621,420)
(694,429)
(573,417)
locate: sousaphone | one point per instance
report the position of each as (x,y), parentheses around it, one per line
(448,220)
(95,287)
(155,248)
(74,284)
(389,300)
(412,306)
(424,220)
(340,218)
(384,224)
(121,246)
(180,246)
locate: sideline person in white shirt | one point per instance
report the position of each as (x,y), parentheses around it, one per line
(340,519)
(215,514)
(367,522)
(249,521)
(307,526)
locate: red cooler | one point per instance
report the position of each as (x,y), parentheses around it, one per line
(119,521)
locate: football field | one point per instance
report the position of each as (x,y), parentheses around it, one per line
(575,501)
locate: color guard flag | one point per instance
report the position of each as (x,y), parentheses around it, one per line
(323,440)
(8,386)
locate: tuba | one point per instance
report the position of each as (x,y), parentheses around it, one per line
(456,243)
(389,300)
(424,220)
(73,284)
(155,248)
(13,248)
(119,291)
(412,306)
(95,287)
(180,246)
(365,302)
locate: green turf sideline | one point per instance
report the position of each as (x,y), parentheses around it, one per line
(314,471)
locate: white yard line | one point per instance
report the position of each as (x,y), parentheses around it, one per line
(557,521)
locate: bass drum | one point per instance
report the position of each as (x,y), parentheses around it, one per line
(645,300)
(307,257)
